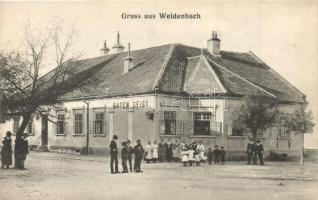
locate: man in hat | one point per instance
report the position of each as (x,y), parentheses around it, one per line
(6,151)
(250,151)
(130,152)
(139,152)
(113,155)
(259,152)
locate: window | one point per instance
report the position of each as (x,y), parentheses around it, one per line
(99,123)
(78,123)
(283,133)
(30,127)
(16,124)
(237,130)
(201,121)
(170,122)
(60,128)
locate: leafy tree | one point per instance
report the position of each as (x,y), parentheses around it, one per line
(256,114)
(298,122)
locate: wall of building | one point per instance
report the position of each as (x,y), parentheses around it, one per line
(130,121)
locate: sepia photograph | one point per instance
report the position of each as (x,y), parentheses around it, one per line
(139,100)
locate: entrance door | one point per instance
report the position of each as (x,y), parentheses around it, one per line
(44,132)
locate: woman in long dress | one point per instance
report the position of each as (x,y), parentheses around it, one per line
(148,152)
(201,151)
(155,152)
(6,151)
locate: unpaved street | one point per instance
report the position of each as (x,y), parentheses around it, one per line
(60,176)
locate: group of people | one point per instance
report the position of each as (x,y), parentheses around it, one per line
(255,151)
(187,153)
(20,153)
(196,154)
(126,155)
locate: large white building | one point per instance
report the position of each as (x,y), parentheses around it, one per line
(172,91)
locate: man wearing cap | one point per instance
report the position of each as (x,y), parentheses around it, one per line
(6,151)
(113,155)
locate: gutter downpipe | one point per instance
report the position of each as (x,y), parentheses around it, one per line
(87,127)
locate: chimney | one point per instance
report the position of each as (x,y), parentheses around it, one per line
(118,48)
(128,61)
(214,44)
(104,50)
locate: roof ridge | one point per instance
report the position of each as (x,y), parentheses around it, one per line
(164,65)
(251,83)
(277,74)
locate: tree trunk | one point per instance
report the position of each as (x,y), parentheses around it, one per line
(25,120)
(302,152)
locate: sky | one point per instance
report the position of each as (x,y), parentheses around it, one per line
(282,33)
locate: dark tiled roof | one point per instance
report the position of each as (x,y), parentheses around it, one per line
(169,67)
(110,80)
(260,75)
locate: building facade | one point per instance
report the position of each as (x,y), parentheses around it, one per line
(171,92)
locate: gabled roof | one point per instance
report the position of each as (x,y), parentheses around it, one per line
(170,68)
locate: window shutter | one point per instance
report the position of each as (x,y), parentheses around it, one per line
(162,127)
(91,121)
(179,130)
(190,124)
(68,118)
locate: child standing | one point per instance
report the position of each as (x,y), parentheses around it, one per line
(222,155)
(184,156)
(210,156)
(191,155)
(197,158)
(124,157)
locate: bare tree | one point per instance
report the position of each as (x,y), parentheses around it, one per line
(25,92)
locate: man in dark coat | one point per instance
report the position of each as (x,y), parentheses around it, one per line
(250,151)
(169,148)
(113,155)
(124,157)
(259,152)
(22,150)
(222,155)
(139,152)
(216,153)
(130,152)
(6,151)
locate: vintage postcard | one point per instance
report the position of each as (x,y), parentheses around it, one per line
(159,100)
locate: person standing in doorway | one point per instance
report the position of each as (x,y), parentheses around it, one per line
(129,152)
(139,152)
(113,155)
(6,151)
